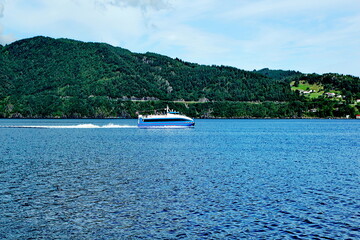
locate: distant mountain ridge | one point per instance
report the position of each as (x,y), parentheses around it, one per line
(99,69)
(278,74)
(46,77)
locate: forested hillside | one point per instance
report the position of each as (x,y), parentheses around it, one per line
(278,74)
(46,77)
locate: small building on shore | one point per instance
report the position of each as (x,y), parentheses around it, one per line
(330,95)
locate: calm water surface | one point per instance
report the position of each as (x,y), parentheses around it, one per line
(223,179)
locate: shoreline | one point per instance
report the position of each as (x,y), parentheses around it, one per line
(209,118)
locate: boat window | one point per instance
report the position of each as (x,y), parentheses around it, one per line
(166,120)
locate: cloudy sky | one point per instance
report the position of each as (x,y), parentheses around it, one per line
(305,35)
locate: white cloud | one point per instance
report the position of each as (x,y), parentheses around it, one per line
(78,19)
(311,36)
(143,4)
(1,9)
(4,38)
(285,8)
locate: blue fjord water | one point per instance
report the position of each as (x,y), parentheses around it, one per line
(223,179)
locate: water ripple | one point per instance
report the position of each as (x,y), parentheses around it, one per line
(235,179)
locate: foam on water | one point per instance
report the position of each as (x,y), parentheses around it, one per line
(110,125)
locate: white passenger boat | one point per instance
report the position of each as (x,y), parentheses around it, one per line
(169,118)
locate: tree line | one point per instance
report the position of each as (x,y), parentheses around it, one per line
(46,77)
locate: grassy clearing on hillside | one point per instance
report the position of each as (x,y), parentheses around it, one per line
(318,90)
(305,86)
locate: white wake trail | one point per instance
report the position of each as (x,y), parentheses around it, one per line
(110,125)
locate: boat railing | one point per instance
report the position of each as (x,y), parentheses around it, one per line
(162,111)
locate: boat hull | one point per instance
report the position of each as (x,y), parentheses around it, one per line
(145,123)
(170,119)
(165,124)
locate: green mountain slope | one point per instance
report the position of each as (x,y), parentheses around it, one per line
(278,74)
(46,77)
(42,64)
